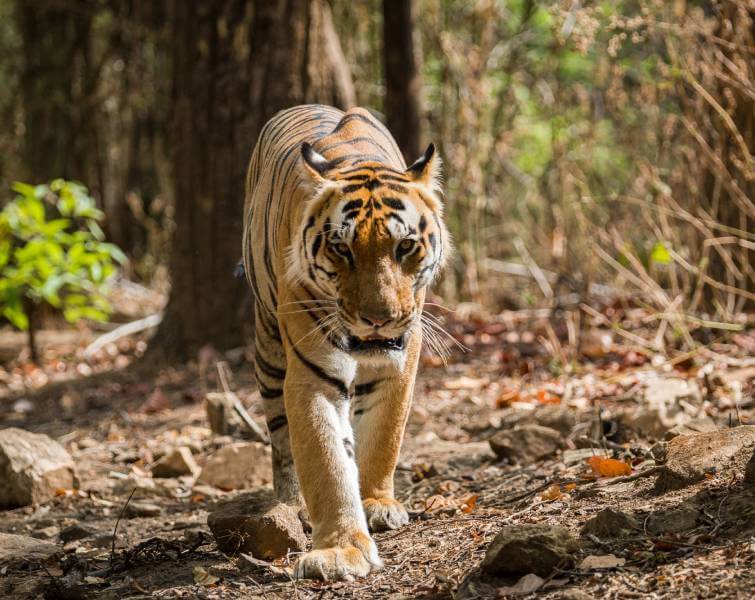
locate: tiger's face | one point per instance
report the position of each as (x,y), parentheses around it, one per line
(371,242)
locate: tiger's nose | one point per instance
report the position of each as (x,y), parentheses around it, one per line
(375,321)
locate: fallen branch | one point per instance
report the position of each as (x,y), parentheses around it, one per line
(238,407)
(121,332)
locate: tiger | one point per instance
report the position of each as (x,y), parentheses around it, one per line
(341,241)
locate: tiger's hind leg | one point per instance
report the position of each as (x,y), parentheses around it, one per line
(270,370)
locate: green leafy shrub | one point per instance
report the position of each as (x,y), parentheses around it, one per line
(52,251)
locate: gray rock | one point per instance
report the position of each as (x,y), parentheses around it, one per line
(32,467)
(675,520)
(556,416)
(698,425)
(142,509)
(74,532)
(527,443)
(529,548)
(689,458)
(750,471)
(21,550)
(610,523)
(180,461)
(259,525)
(238,466)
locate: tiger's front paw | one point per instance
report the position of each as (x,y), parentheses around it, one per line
(355,558)
(384,513)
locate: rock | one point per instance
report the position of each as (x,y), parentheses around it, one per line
(75,532)
(689,458)
(142,485)
(46,533)
(574,595)
(699,425)
(556,416)
(238,466)
(32,467)
(180,461)
(750,471)
(578,456)
(20,550)
(259,525)
(142,509)
(675,520)
(666,403)
(526,443)
(529,548)
(610,523)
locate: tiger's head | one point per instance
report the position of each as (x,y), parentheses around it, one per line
(372,239)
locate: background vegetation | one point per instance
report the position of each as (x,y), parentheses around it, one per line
(594,151)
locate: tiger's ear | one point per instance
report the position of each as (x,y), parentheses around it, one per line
(426,169)
(315,163)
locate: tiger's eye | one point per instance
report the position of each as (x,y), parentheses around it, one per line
(406,245)
(341,248)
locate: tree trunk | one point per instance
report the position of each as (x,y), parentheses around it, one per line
(54,84)
(403,82)
(235,64)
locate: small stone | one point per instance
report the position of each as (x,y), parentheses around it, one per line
(32,468)
(21,550)
(46,533)
(699,425)
(259,525)
(529,548)
(180,461)
(690,458)
(142,509)
(74,532)
(526,443)
(556,416)
(675,520)
(750,471)
(610,523)
(580,455)
(238,466)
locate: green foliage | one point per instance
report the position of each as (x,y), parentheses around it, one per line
(52,251)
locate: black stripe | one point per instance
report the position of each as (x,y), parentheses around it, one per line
(336,383)
(397,218)
(351,205)
(349,448)
(362,389)
(354,116)
(276,423)
(267,392)
(395,203)
(267,368)
(422,223)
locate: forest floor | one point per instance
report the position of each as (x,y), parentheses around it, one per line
(614,401)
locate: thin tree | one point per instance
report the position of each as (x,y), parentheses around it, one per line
(235,63)
(403,81)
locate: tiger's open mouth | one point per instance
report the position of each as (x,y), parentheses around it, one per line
(376,343)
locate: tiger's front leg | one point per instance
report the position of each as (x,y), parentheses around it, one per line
(317,404)
(381,407)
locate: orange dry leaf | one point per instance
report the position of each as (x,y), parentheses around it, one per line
(545,397)
(570,487)
(552,493)
(506,398)
(608,467)
(467,505)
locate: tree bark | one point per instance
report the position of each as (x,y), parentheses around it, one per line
(235,64)
(403,83)
(55,83)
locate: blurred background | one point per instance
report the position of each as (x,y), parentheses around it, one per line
(595,152)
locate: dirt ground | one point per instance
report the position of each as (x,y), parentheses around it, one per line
(697,542)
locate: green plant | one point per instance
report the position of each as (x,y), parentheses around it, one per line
(52,252)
